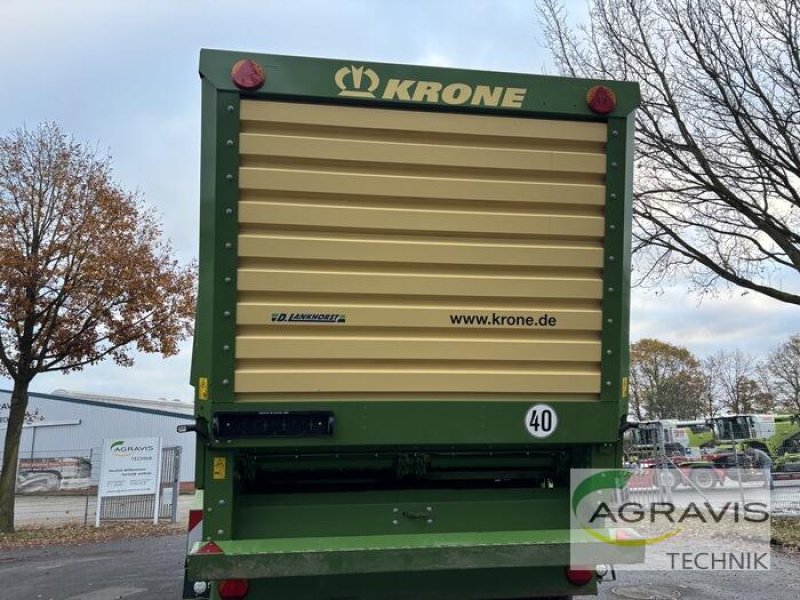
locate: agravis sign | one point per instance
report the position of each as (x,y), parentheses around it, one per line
(130,466)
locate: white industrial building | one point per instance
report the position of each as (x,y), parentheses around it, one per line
(64,431)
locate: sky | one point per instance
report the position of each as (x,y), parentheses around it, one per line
(122,76)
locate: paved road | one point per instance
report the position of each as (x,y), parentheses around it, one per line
(134,569)
(151,569)
(780,583)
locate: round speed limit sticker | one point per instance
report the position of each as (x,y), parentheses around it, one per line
(541,420)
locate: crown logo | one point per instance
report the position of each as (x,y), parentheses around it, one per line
(357,82)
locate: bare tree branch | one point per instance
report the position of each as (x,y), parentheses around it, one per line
(717,189)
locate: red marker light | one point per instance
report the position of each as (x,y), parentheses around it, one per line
(580,576)
(248,75)
(601,99)
(233,589)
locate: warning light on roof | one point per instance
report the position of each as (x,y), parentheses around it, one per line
(248,75)
(601,99)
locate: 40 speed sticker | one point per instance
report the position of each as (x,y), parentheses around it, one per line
(541,420)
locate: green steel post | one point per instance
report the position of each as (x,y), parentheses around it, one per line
(218,496)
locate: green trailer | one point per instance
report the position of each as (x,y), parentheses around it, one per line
(412,323)
(777,435)
(667,437)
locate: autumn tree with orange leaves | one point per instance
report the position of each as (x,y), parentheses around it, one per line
(85,274)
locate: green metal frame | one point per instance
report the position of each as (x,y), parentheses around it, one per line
(453,584)
(435,422)
(298,557)
(215,329)
(519,522)
(312,80)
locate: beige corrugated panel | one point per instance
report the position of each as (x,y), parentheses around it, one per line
(390,253)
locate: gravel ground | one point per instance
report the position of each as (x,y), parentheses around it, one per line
(131,569)
(780,583)
(152,569)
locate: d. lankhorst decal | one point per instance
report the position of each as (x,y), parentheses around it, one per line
(363,82)
(308,318)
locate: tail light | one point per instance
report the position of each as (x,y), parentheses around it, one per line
(579,575)
(233,589)
(601,99)
(248,75)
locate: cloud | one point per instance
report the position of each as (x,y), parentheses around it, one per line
(750,322)
(152,377)
(124,75)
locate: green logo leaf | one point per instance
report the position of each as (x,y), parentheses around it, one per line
(607,480)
